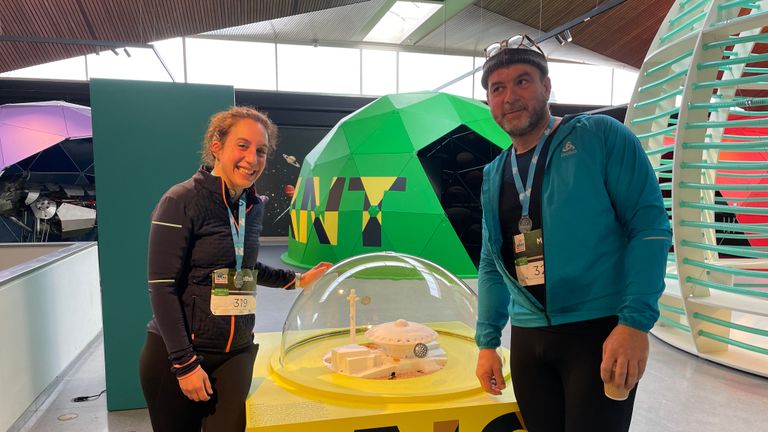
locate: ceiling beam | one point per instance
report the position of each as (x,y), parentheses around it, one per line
(557,30)
(375,18)
(64,41)
(449,10)
(580,19)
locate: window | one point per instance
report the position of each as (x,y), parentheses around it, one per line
(142,64)
(623,86)
(172,52)
(420,72)
(246,65)
(379,72)
(69,69)
(580,84)
(303,68)
(479,91)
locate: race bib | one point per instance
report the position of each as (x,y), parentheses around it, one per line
(529,258)
(233,292)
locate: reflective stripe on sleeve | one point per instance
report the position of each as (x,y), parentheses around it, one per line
(166,224)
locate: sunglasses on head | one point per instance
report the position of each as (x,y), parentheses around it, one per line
(517,41)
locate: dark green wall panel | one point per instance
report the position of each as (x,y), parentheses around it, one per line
(146,138)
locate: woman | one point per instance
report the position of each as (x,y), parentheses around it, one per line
(197,362)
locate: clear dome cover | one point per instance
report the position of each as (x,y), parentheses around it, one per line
(394,292)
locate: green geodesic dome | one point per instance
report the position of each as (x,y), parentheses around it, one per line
(363,188)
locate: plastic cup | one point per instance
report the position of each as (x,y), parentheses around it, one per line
(615,392)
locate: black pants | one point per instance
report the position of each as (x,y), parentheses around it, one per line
(556,378)
(169,410)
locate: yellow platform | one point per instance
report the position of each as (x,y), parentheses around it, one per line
(310,397)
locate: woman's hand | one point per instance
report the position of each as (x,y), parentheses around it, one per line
(196,386)
(311,276)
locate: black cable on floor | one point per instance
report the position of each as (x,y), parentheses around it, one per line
(88,398)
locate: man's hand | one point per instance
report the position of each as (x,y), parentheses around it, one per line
(489,371)
(625,355)
(312,275)
(196,386)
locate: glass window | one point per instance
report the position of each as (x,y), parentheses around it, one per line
(304,68)
(623,86)
(379,72)
(247,65)
(68,69)
(172,51)
(419,72)
(580,84)
(137,64)
(479,91)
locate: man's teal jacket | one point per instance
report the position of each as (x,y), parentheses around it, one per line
(605,229)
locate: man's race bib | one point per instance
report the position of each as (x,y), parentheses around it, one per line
(233,292)
(529,258)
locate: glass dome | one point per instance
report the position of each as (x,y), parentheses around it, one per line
(378,291)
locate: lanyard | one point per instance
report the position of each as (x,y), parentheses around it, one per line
(525,195)
(237,227)
(238,232)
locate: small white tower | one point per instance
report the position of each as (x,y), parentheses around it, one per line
(352,316)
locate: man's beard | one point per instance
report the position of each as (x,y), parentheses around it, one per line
(535,118)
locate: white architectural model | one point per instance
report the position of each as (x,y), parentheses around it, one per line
(398,349)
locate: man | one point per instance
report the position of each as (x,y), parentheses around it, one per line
(579,195)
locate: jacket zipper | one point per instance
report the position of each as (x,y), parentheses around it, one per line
(231,333)
(550,152)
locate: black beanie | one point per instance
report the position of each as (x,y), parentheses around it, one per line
(510,56)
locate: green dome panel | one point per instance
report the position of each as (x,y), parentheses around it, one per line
(404,100)
(381,105)
(332,147)
(365,188)
(384,133)
(445,239)
(382,164)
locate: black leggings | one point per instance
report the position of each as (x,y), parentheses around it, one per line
(556,378)
(169,410)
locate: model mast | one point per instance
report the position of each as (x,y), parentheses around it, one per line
(352,316)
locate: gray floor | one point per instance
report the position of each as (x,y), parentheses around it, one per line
(678,393)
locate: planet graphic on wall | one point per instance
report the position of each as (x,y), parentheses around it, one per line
(291,160)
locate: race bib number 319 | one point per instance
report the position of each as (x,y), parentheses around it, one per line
(233,294)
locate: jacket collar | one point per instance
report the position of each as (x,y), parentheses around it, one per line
(213,184)
(495,172)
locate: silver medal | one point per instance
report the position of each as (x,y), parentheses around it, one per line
(525,224)
(238,279)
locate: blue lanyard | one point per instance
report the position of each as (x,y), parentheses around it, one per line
(525,195)
(238,232)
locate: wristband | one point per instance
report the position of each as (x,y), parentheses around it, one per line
(188,374)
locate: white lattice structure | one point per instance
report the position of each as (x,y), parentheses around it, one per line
(699,72)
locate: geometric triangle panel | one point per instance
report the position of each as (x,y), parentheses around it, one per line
(80,151)
(54,159)
(391,198)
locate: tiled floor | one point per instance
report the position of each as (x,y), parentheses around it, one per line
(679,393)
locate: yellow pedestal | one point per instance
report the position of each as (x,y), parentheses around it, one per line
(317,399)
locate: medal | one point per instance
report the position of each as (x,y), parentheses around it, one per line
(238,239)
(525,224)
